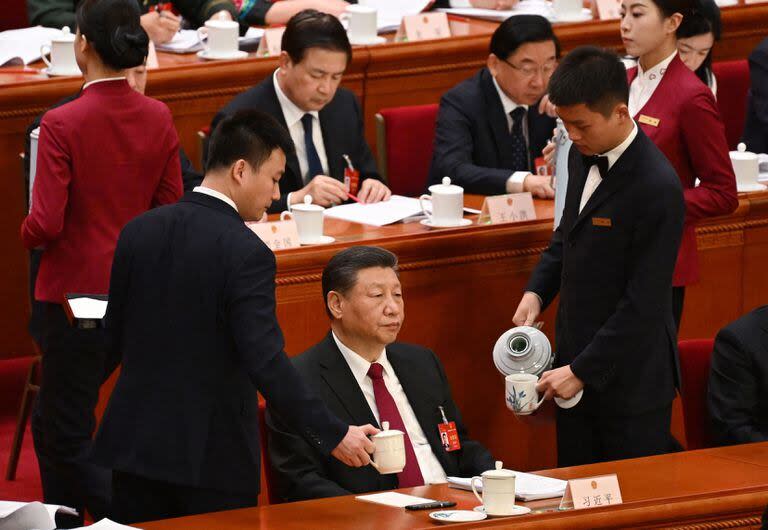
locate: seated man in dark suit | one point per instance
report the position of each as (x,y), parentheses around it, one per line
(756,126)
(737,397)
(362,374)
(325,121)
(489,128)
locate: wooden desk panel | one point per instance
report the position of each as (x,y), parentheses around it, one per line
(670,491)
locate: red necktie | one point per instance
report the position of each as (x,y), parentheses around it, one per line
(410,476)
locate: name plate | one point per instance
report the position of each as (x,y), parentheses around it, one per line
(271,42)
(608,9)
(591,492)
(510,208)
(424,26)
(277,235)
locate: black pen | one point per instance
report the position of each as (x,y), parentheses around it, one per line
(431,505)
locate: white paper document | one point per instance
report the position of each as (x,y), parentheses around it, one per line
(106,524)
(383,213)
(22,46)
(12,512)
(391,498)
(526,7)
(87,308)
(185,41)
(528,487)
(389,13)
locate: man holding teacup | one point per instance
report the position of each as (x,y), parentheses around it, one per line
(332,158)
(363,375)
(611,261)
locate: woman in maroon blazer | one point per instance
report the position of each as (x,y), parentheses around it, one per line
(678,112)
(103,158)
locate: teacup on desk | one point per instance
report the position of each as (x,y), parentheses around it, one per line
(220,37)
(309,221)
(447,204)
(389,455)
(498,490)
(361,24)
(521,395)
(567,8)
(62,51)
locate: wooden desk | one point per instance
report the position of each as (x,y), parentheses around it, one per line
(713,488)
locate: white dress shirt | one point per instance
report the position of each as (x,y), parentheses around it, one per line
(593,178)
(293,115)
(218,195)
(645,84)
(89,83)
(431,469)
(515,181)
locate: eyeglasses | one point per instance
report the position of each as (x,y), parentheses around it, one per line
(530,70)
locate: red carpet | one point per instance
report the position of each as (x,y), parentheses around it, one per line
(26,487)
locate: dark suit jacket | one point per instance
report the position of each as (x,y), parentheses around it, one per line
(304,473)
(341,122)
(192,315)
(472,137)
(738,380)
(612,265)
(756,125)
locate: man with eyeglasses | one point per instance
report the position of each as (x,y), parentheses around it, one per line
(489,128)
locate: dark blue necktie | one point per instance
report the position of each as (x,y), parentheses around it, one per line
(517,141)
(313,159)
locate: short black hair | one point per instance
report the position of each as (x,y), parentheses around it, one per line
(593,76)
(521,29)
(312,29)
(250,135)
(340,274)
(113,27)
(704,19)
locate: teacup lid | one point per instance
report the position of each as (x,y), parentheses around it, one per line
(65,36)
(386,432)
(307,205)
(741,153)
(499,472)
(446,187)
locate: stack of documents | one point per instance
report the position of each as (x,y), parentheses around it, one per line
(528,487)
(397,208)
(22,46)
(392,498)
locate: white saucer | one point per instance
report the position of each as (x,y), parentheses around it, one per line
(324,240)
(59,73)
(585,15)
(208,56)
(750,187)
(367,42)
(457,516)
(463,222)
(569,403)
(517,510)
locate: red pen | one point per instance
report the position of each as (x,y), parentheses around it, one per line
(354,198)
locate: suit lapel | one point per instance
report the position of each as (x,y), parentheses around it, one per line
(336,373)
(497,120)
(330,129)
(292,180)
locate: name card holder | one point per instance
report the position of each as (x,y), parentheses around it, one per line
(271,42)
(277,235)
(424,26)
(591,492)
(608,9)
(510,208)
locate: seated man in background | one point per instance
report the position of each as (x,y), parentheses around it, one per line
(161,25)
(737,397)
(489,129)
(756,126)
(325,121)
(363,375)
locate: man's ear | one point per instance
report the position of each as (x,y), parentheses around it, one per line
(493,64)
(623,112)
(334,302)
(238,171)
(284,62)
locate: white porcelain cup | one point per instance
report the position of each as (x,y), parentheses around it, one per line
(521,395)
(498,490)
(389,455)
(447,203)
(220,37)
(746,166)
(567,8)
(309,221)
(361,23)
(62,52)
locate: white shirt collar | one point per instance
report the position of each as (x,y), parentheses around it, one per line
(506,102)
(89,83)
(218,195)
(656,72)
(358,364)
(614,154)
(291,112)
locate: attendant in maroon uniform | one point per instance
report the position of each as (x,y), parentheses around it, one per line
(679,113)
(103,158)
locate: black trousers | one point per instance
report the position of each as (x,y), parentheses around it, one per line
(584,438)
(138,499)
(678,297)
(63,420)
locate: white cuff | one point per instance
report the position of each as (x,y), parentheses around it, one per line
(516,180)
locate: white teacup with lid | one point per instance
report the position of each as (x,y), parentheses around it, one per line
(220,38)
(389,455)
(498,490)
(309,221)
(62,51)
(746,166)
(447,204)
